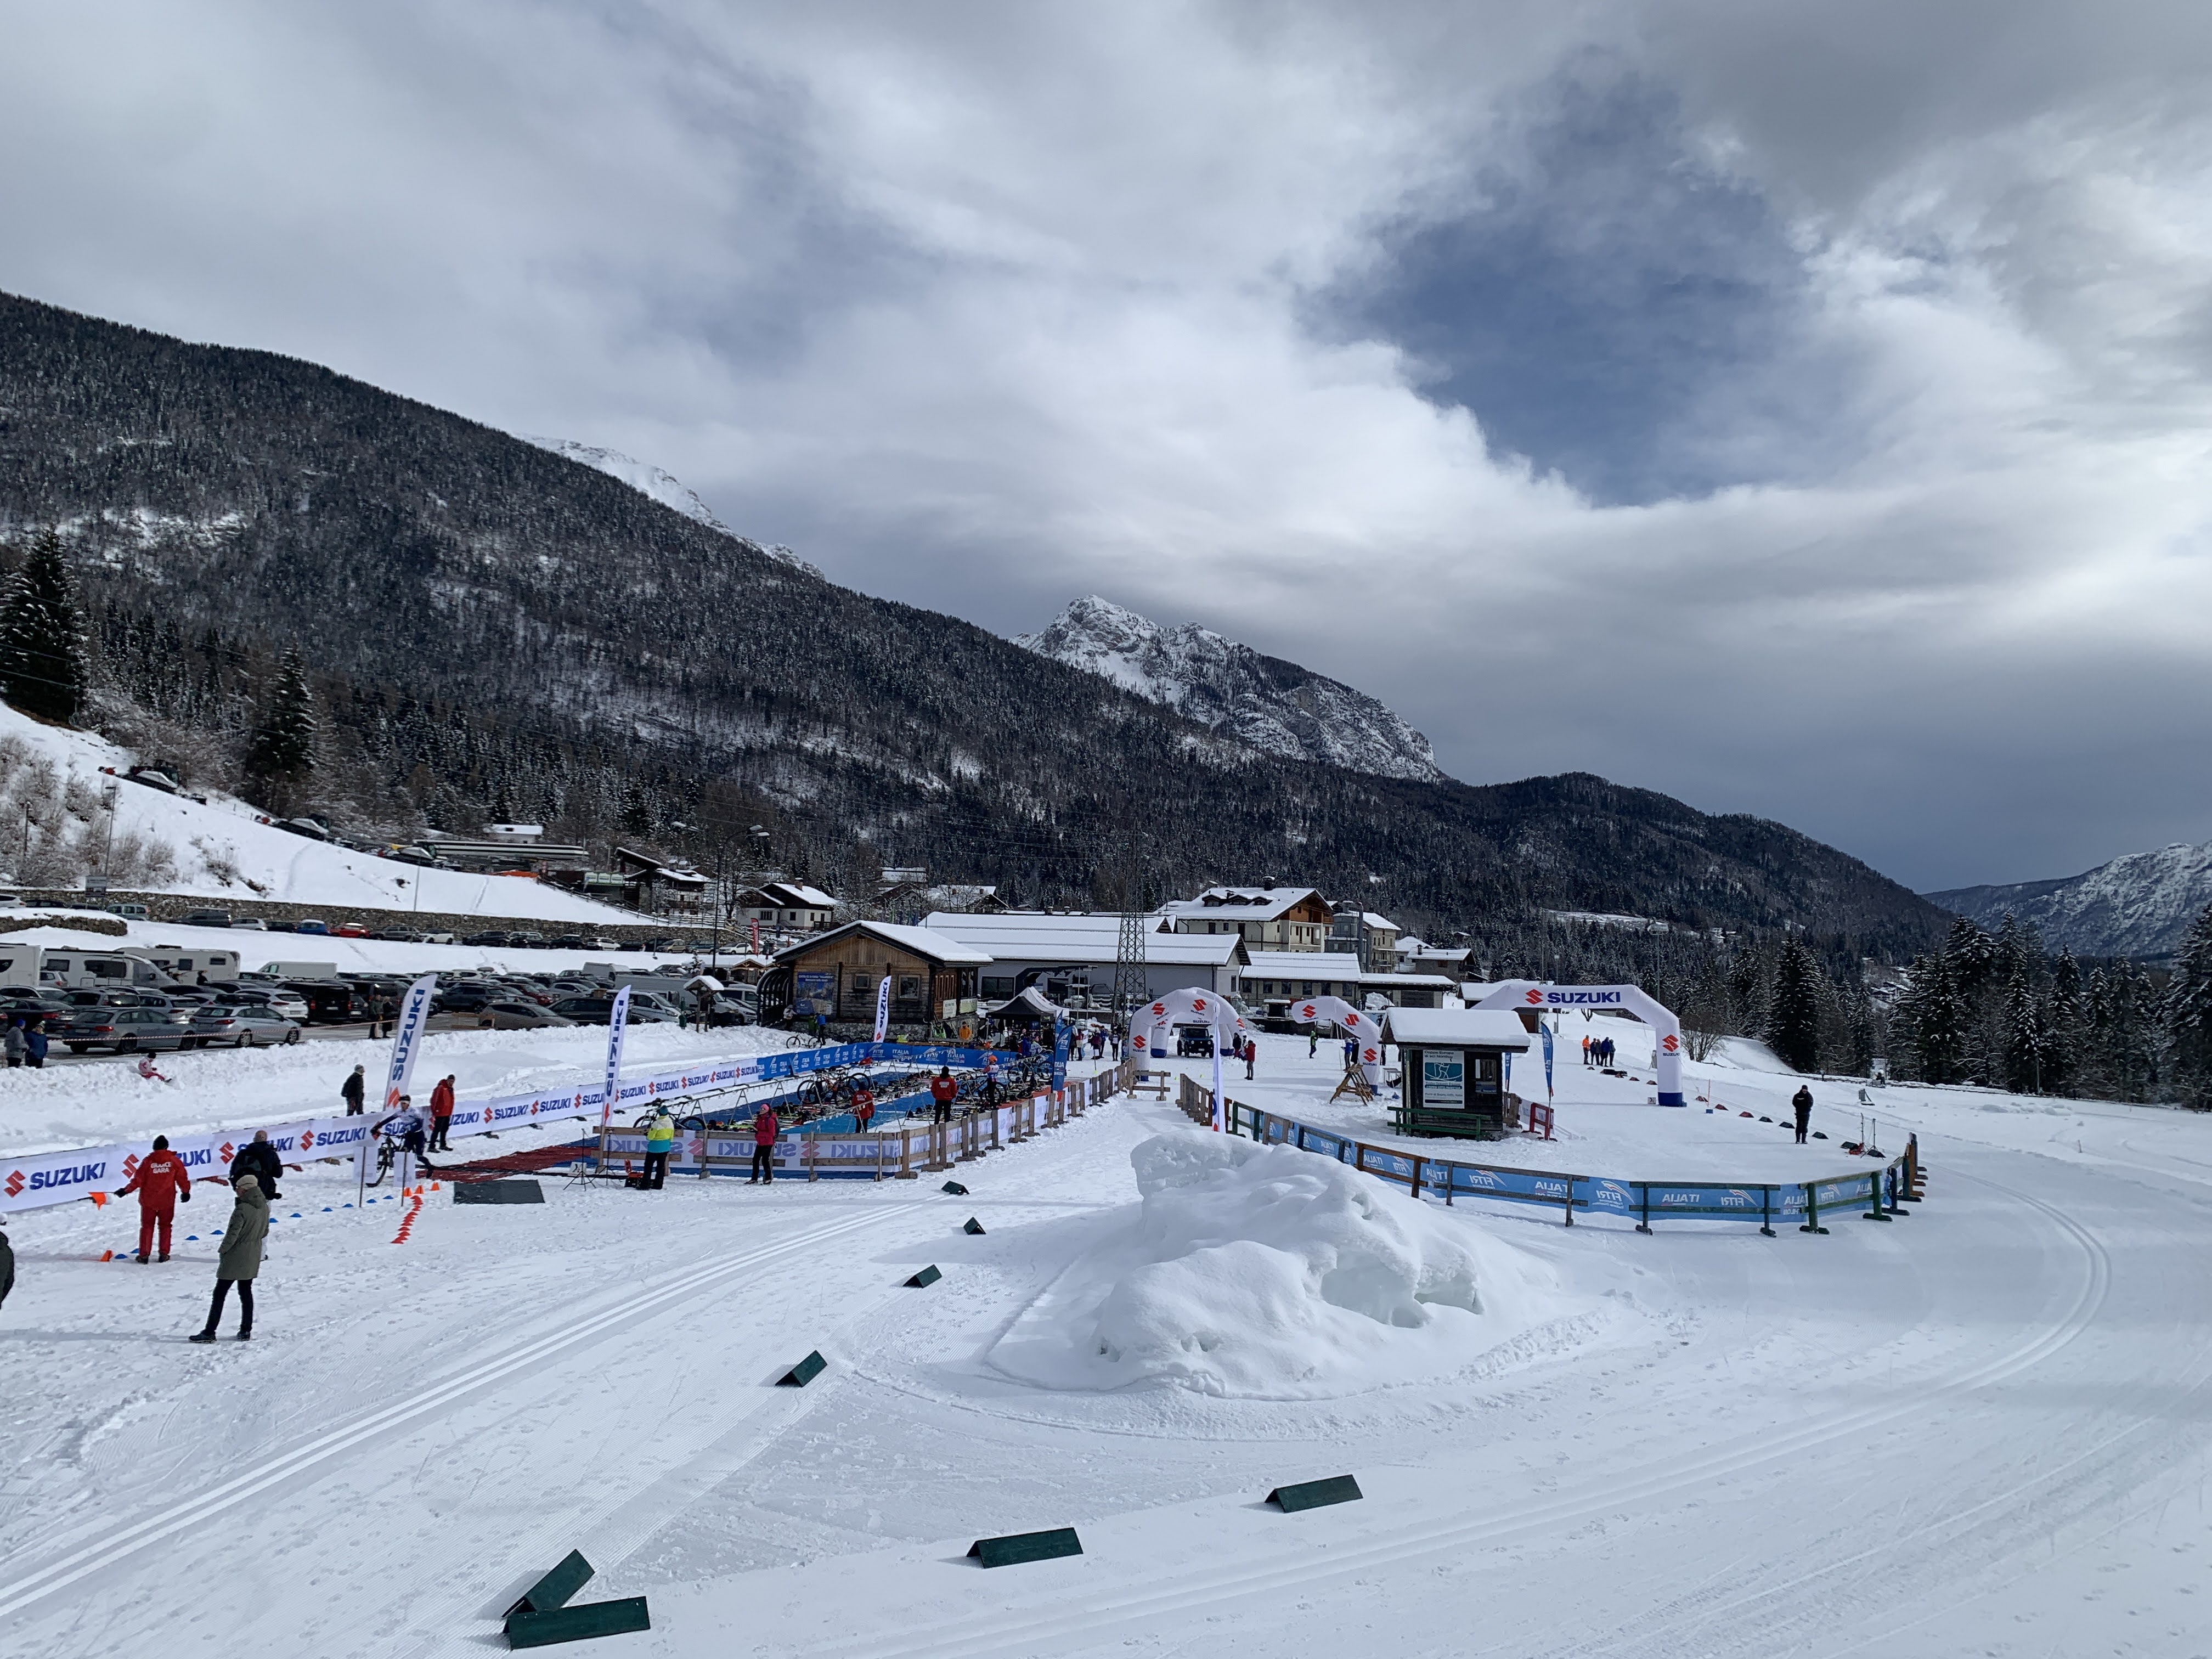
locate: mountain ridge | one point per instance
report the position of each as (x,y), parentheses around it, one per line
(1274,705)
(496,632)
(2136,905)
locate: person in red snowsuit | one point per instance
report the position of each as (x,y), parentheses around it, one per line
(160,1181)
(766,1127)
(442,1114)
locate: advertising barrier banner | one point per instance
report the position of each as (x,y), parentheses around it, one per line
(57,1177)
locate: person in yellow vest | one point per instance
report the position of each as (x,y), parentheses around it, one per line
(660,1142)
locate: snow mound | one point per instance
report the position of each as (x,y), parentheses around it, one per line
(1263,1272)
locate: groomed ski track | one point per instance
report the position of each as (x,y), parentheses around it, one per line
(1984,1428)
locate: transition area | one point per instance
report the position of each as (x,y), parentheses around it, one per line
(1984,1427)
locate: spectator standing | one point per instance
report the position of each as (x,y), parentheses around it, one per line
(240,1260)
(1251,1055)
(14,1043)
(942,1092)
(34,1044)
(765,1130)
(990,1079)
(1801,1104)
(354,1090)
(442,1114)
(864,1106)
(259,1158)
(160,1181)
(660,1142)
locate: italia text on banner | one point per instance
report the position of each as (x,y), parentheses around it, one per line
(617,1023)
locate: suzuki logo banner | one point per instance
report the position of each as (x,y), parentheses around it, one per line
(407,1037)
(617,1023)
(1666,1030)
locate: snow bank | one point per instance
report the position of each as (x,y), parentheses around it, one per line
(1259,1272)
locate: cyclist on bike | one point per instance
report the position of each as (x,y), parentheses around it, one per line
(404,1127)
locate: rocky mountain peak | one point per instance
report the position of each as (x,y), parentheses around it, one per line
(1230,689)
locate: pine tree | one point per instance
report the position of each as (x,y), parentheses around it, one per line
(1793,1014)
(284,748)
(1936,1018)
(2187,1015)
(44,664)
(1973,956)
(2027,1050)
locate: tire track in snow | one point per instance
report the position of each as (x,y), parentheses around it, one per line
(113,1547)
(978,1635)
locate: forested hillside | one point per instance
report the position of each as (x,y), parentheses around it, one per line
(494,632)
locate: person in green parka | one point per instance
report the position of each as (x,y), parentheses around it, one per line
(240,1260)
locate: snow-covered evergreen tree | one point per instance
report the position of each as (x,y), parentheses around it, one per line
(1793,1013)
(2027,1038)
(1934,1021)
(45,667)
(284,750)
(2187,1015)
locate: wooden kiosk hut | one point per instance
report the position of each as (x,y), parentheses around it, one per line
(1453,1080)
(835,974)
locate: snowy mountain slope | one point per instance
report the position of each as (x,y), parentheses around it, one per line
(666,487)
(1263,700)
(2136,906)
(219,851)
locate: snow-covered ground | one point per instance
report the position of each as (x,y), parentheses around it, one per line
(1981,1429)
(222,852)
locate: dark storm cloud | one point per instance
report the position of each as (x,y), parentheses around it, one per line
(1606,302)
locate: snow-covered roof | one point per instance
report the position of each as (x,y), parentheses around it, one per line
(1238,904)
(1092,937)
(1494,1028)
(1384,923)
(795,896)
(922,941)
(1399,981)
(1302,965)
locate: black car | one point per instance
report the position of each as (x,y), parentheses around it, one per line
(331,1001)
(1194,1040)
(470,997)
(568,942)
(496,939)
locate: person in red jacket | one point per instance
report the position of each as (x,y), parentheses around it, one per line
(441,1114)
(160,1181)
(864,1105)
(943,1091)
(765,1130)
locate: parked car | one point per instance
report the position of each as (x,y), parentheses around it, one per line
(468,997)
(495,939)
(255,923)
(241,1025)
(526,940)
(349,930)
(128,912)
(436,939)
(290,1004)
(570,942)
(126,1030)
(207,919)
(510,1016)
(310,925)
(331,1001)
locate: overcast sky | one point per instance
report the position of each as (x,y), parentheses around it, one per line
(1799,409)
